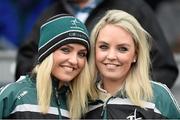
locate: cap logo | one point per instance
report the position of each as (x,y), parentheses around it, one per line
(75,24)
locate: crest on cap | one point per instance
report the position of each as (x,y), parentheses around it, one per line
(75,23)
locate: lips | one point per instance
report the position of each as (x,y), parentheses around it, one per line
(111,65)
(68,68)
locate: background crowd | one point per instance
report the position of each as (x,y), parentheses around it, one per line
(18,17)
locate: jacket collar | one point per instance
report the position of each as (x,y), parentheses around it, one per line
(104,95)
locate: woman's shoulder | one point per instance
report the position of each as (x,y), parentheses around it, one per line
(164,100)
(161,91)
(15,87)
(159,88)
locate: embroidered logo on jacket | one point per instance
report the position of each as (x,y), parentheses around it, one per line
(22,94)
(133,116)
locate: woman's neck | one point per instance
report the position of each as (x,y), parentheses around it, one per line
(112,86)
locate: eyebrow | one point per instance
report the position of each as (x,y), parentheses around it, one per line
(67,45)
(124,44)
(84,50)
(121,44)
(102,42)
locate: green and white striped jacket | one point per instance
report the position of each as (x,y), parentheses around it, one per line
(19,100)
(120,106)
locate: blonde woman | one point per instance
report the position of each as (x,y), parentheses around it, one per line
(121,59)
(60,85)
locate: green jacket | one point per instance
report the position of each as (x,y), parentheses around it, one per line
(120,106)
(19,100)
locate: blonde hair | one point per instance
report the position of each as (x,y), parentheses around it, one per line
(81,89)
(137,87)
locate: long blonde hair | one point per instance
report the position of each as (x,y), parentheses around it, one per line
(137,86)
(81,89)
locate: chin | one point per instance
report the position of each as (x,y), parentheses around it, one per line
(66,79)
(112,77)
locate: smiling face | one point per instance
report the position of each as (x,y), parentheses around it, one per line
(115,52)
(68,61)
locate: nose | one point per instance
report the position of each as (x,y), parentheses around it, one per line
(73,59)
(111,54)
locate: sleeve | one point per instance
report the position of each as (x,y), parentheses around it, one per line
(173,110)
(161,55)
(166,102)
(6,101)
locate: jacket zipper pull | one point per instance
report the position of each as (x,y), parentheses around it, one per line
(103,113)
(58,103)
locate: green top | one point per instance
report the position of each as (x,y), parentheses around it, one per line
(19,100)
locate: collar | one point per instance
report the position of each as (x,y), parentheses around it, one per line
(63,89)
(104,95)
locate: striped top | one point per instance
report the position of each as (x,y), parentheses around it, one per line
(162,106)
(19,101)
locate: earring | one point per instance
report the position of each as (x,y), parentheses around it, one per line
(134,60)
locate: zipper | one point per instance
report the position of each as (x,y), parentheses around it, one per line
(58,103)
(104,115)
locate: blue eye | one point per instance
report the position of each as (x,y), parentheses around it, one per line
(65,50)
(82,54)
(103,47)
(122,49)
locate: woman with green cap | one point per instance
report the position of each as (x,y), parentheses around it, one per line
(60,84)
